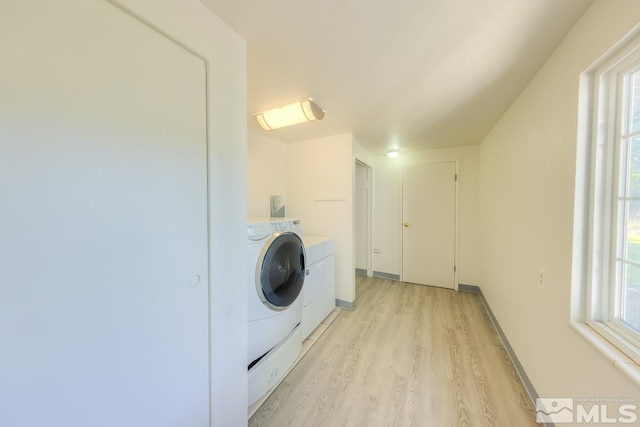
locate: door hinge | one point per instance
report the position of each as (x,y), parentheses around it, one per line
(456,177)
(455,269)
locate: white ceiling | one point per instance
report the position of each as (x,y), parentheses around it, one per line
(409,73)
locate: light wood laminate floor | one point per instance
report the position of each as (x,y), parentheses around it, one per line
(408,355)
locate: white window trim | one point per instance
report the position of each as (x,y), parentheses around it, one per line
(593,262)
(608,350)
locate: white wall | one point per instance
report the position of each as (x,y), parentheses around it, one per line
(362,154)
(266,172)
(526,199)
(194,25)
(320,192)
(388,209)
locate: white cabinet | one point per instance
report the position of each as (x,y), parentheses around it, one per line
(319,290)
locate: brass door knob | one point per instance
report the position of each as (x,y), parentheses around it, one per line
(406,224)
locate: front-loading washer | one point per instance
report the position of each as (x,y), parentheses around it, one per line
(277,264)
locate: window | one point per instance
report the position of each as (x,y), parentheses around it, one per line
(608,200)
(626,299)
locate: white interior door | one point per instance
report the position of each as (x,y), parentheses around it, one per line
(429,224)
(103,248)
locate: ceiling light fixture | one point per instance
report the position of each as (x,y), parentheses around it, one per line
(393,153)
(291,114)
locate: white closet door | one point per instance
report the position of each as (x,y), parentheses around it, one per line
(103,222)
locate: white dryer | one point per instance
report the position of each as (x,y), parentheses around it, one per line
(319,293)
(277,264)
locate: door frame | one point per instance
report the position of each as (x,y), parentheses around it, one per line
(369,207)
(456,231)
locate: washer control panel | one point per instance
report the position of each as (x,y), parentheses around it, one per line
(279,226)
(263,228)
(287,224)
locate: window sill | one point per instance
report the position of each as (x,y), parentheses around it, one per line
(619,359)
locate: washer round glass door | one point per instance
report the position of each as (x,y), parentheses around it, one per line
(281,270)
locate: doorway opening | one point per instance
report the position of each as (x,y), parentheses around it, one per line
(362,219)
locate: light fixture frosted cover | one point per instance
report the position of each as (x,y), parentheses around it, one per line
(291,114)
(393,153)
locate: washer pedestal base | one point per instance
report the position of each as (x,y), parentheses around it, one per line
(268,372)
